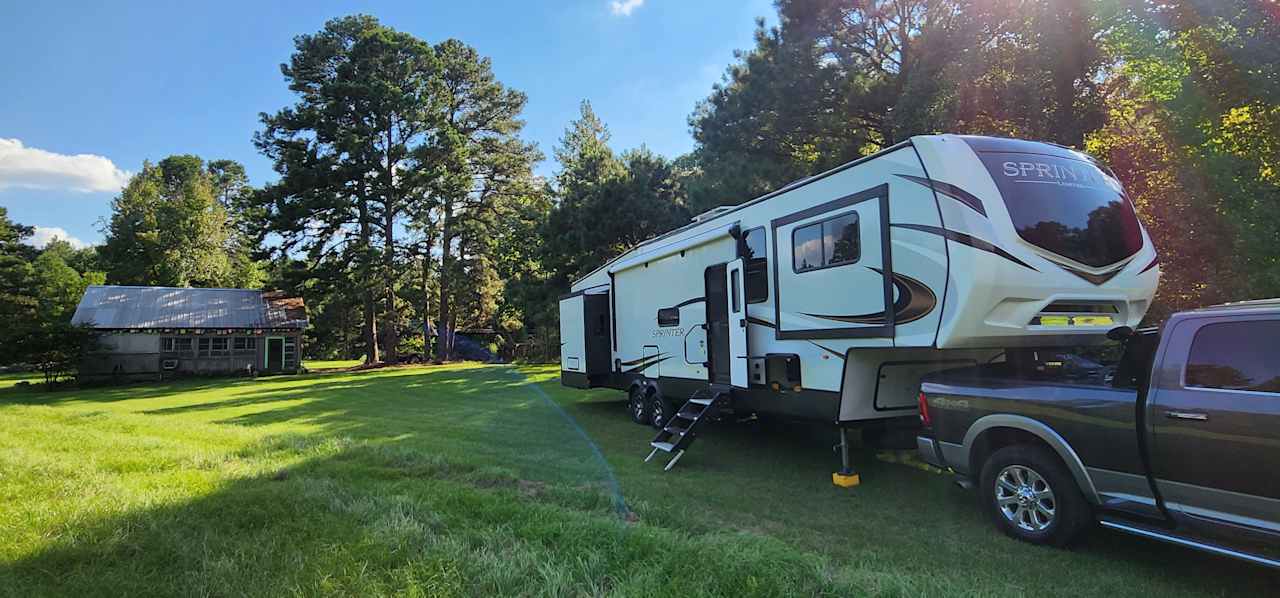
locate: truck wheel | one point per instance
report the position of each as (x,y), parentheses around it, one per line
(660,411)
(1032,497)
(638,405)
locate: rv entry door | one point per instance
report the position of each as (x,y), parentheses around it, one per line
(737,323)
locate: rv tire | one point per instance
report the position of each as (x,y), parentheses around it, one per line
(660,410)
(638,404)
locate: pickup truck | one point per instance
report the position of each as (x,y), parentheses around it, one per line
(1180,443)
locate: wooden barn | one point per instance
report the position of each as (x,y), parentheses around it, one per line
(160,332)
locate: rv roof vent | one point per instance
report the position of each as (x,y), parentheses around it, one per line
(712,213)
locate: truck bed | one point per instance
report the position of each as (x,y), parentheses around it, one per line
(1095,417)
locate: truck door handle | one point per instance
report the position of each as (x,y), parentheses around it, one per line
(1190,415)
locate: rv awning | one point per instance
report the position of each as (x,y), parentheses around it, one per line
(675,246)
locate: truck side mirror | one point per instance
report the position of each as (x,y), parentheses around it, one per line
(1119,333)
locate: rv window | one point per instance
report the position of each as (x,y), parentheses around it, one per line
(756,277)
(840,240)
(806,247)
(1069,207)
(832,242)
(753,244)
(736,291)
(669,316)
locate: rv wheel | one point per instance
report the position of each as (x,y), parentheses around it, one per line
(660,411)
(638,405)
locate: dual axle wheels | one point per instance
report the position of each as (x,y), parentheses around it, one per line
(646,406)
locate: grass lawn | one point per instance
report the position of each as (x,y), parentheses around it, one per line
(481,480)
(11,379)
(316,365)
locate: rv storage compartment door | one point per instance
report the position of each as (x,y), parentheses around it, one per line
(737,324)
(830,263)
(573,343)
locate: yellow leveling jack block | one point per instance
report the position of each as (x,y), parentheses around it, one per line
(845,480)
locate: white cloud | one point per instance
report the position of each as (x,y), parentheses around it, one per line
(31,168)
(625,7)
(44,234)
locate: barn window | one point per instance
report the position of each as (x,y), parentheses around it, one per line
(171,344)
(244,345)
(213,347)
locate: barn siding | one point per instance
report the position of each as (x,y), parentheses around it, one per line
(138,355)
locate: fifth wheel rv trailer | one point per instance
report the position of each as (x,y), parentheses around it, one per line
(829,298)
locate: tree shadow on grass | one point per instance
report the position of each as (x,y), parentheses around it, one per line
(382,505)
(355,518)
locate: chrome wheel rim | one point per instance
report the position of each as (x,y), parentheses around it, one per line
(637,407)
(1025,498)
(659,418)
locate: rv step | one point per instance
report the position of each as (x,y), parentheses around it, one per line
(675,438)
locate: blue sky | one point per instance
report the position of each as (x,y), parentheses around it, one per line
(90,90)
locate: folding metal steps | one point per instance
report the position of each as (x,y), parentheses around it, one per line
(681,430)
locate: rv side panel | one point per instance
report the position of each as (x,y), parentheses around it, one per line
(661,313)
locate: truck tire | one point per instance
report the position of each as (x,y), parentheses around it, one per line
(1031,496)
(660,410)
(638,405)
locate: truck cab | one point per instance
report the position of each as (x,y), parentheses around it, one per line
(1180,442)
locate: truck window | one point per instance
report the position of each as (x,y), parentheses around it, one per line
(1236,356)
(1134,367)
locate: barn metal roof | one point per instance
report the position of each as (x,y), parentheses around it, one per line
(120,307)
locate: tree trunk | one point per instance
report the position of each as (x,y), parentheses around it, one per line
(369,328)
(392,336)
(426,298)
(444,347)
(390,209)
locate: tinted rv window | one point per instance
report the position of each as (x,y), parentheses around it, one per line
(669,316)
(840,239)
(757,271)
(832,242)
(736,293)
(1236,356)
(806,247)
(1068,207)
